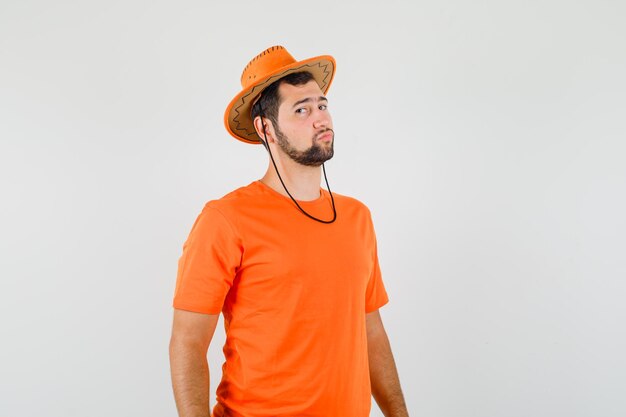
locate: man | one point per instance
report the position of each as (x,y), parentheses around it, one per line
(293,268)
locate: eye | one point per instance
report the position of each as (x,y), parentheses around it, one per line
(301,110)
(323,106)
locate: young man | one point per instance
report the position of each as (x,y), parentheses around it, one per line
(293,268)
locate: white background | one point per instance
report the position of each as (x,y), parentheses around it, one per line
(487,138)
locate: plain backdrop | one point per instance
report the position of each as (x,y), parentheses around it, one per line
(487,138)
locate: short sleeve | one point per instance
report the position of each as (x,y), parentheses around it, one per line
(375,294)
(210,260)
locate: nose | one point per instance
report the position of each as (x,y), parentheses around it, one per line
(322,119)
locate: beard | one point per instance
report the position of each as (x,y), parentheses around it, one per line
(314,156)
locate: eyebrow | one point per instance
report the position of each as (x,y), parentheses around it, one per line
(307,100)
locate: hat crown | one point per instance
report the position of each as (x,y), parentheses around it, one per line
(265,63)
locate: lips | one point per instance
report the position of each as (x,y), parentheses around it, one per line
(325,136)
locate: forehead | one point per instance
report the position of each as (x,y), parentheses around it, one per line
(291,93)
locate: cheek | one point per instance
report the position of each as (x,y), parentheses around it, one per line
(289,131)
(296,129)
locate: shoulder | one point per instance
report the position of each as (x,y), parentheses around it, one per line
(353,211)
(219,217)
(235,199)
(350,203)
(232,207)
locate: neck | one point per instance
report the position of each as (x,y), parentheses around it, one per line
(303,182)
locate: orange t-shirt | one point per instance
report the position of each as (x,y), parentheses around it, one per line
(294,293)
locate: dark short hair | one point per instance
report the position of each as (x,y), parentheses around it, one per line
(270,99)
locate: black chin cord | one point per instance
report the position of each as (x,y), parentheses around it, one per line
(287,191)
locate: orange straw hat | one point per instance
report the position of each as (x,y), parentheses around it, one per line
(267,67)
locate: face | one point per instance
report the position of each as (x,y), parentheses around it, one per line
(304,131)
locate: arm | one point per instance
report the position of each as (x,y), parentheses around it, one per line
(383,373)
(191,336)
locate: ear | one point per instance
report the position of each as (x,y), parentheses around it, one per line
(263,124)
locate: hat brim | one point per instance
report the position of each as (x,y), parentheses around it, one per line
(237,117)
